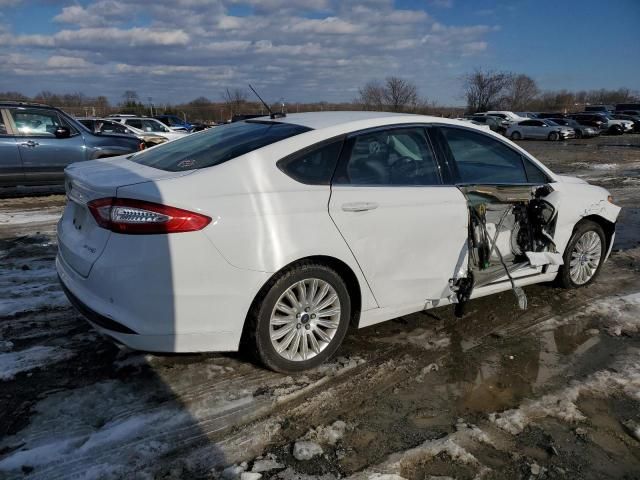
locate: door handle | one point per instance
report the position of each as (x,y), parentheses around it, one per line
(30,144)
(359,206)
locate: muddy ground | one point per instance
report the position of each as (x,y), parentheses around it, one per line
(552,392)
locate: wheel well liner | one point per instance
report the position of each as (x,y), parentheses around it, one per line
(341,268)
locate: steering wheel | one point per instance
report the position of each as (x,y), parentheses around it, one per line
(404,170)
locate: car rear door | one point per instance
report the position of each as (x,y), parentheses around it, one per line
(44,156)
(406,226)
(11,173)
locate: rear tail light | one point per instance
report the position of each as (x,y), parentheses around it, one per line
(125,215)
(141,146)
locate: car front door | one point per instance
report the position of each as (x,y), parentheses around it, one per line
(531,128)
(45,156)
(11,173)
(406,227)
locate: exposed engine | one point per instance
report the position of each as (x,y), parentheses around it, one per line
(507,227)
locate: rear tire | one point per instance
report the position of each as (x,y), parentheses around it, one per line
(516,136)
(290,330)
(583,256)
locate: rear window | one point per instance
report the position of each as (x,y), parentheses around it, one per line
(216,145)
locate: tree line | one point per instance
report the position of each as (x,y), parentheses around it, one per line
(481,90)
(497,90)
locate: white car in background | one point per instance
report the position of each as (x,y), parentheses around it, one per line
(150,125)
(282,232)
(539,128)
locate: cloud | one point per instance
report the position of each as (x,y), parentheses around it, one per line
(180,49)
(101,13)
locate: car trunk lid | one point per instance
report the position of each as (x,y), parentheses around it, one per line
(81,240)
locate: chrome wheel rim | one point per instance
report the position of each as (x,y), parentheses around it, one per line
(305,319)
(585,258)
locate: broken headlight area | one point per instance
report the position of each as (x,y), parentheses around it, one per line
(511,232)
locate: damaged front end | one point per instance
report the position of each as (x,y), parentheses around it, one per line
(511,231)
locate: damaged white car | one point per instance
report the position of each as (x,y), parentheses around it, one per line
(278,233)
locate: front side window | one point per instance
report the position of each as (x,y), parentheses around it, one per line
(390,157)
(481,159)
(134,123)
(313,166)
(217,145)
(36,122)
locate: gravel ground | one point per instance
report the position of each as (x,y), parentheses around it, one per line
(552,392)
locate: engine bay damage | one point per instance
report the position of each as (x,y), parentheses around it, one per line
(510,236)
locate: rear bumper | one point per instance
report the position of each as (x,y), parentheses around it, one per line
(164,295)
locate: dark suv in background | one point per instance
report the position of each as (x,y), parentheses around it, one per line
(38,141)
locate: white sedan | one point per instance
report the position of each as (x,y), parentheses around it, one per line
(279,233)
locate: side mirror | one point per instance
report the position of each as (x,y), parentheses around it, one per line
(62,132)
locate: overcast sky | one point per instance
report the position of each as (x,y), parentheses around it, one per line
(308,50)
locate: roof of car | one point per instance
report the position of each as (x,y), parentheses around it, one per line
(321,120)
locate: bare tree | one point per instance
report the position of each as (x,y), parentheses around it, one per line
(130,97)
(371,96)
(521,91)
(483,90)
(396,94)
(235,100)
(400,94)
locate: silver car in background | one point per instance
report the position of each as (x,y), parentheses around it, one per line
(539,129)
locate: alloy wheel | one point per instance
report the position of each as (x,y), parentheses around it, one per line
(585,257)
(305,319)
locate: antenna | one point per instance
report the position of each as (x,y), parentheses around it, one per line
(271,114)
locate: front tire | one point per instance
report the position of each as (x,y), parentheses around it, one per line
(578,133)
(302,319)
(554,136)
(583,256)
(516,136)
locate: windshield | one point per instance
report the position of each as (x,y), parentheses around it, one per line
(217,145)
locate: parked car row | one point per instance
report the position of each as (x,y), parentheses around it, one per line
(38,141)
(561,126)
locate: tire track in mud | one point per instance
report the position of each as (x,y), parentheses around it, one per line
(351,398)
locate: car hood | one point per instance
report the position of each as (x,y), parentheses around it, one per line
(569,179)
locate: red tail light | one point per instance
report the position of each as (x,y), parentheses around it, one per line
(126,215)
(141,146)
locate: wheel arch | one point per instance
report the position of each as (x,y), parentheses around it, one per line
(608,227)
(345,271)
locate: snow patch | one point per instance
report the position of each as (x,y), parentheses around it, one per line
(29,284)
(624,379)
(305,450)
(327,435)
(618,315)
(603,166)
(396,463)
(51,215)
(12,363)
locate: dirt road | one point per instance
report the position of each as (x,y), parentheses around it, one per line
(553,392)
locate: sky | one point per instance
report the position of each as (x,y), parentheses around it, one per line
(311,50)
